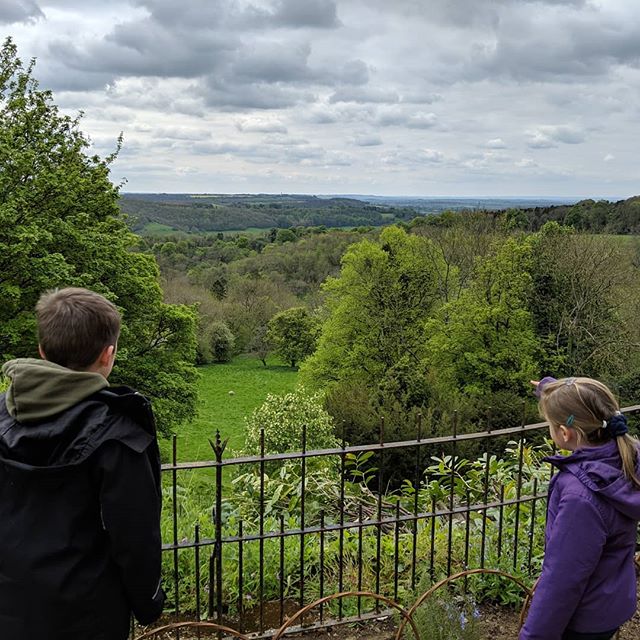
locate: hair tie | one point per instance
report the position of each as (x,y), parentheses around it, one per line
(617,425)
(545,381)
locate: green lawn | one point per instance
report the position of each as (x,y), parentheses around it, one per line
(250,382)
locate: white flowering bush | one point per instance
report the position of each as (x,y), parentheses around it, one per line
(283,418)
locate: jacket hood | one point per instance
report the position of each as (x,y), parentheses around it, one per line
(600,470)
(40,389)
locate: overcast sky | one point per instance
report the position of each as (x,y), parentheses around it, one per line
(392,97)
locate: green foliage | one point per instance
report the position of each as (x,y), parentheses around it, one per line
(283,418)
(484,342)
(293,334)
(376,310)
(60,226)
(446,616)
(585,302)
(221,341)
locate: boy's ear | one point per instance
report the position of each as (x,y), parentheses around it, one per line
(107,354)
(42,353)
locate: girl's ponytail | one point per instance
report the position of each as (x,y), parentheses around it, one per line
(628,448)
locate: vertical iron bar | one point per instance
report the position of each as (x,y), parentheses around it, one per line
(261,534)
(396,545)
(416,492)
(341,521)
(454,451)
(321,564)
(533,523)
(240,575)
(212,584)
(518,493)
(281,594)
(379,514)
(196,553)
(487,453)
(432,550)
(303,472)
(500,521)
(360,533)
(467,537)
(174,479)
(218,449)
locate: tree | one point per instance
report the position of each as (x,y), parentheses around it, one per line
(293,333)
(484,342)
(585,301)
(221,342)
(376,309)
(60,226)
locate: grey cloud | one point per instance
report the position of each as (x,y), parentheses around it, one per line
(401,117)
(221,148)
(307,13)
(546,136)
(555,46)
(540,141)
(422,121)
(260,125)
(179,133)
(273,62)
(364,95)
(57,77)
(220,93)
(367,140)
(321,116)
(145,50)
(285,141)
(417,97)
(12,11)
(412,158)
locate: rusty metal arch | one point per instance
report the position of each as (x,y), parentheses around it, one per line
(449,579)
(365,594)
(192,625)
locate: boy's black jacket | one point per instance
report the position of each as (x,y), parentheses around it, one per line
(80,538)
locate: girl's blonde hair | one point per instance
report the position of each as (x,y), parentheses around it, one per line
(586,405)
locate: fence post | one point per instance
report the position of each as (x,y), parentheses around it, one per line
(218,449)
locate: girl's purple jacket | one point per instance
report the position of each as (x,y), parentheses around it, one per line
(588,581)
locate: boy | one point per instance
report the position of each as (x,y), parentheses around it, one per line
(80,491)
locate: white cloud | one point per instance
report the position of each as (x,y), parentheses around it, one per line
(496,143)
(456,95)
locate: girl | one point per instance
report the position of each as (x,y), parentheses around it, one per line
(588,584)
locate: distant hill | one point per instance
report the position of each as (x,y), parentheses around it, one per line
(197,213)
(211,212)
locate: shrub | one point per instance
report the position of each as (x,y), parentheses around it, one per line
(283,418)
(221,340)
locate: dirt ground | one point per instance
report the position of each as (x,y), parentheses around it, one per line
(497,623)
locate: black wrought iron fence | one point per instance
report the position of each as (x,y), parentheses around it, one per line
(252,540)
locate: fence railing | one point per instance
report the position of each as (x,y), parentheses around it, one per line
(251,540)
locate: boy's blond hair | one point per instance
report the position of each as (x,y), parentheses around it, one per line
(75,325)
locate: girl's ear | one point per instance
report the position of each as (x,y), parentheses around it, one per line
(568,436)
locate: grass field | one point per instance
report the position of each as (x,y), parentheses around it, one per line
(250,382)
